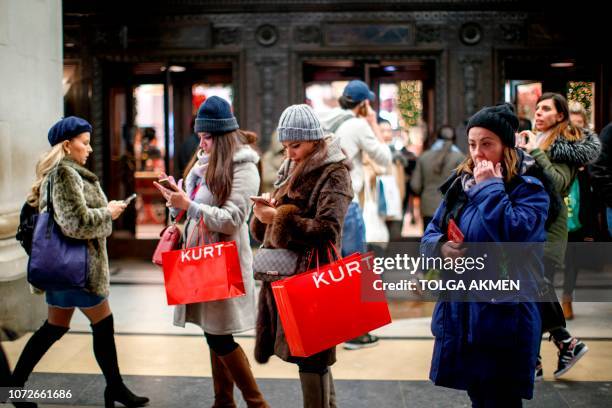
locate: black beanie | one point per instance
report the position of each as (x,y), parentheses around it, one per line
(499,119)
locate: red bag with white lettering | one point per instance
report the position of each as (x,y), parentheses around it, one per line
(324,306)
(202,273)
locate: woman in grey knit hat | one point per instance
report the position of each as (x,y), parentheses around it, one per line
(304,212)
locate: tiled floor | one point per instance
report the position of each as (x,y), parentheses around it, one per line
(188,392)
(171,364)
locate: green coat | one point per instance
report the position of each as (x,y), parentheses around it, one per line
(81,213)
(561,163)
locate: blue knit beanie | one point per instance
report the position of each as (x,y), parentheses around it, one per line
(67,128)
(299,123)
(215,116)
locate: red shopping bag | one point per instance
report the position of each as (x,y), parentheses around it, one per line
(203,273)
(323,307)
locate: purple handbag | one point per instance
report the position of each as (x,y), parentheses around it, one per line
(57,262)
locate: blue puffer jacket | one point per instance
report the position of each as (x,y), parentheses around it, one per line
(482,345)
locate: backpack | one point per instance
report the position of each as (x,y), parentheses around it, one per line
(25,231)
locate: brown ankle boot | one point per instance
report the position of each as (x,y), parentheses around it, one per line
(566,304)
(240,370)
(223,383)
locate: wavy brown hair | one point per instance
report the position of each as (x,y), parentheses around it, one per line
(220,172)
(563,128)
(509,164)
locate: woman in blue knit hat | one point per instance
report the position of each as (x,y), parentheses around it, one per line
(82,212)
(218,186)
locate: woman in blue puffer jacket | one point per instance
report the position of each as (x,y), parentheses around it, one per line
(498,194)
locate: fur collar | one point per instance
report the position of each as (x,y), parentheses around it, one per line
(455,197)
(83,172)
(244,154)
(578,153)
(334,154)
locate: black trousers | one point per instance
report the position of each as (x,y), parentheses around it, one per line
(551,312)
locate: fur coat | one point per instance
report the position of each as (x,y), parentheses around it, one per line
(81,213)
(310,217)
(561,163)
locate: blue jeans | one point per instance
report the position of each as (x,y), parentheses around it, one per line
(609,216)
(353,231)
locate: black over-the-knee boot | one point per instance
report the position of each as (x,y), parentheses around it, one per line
(34,350)
(106,356)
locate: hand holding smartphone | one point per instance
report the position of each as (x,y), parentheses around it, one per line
(260,200)
(454,233)
(165,182)
(131,198)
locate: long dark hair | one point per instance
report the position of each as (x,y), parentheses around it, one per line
(220,172)
(317,155)
(563,128)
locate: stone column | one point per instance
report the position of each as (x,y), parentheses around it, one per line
(31,66)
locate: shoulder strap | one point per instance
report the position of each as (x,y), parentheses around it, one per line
(50,204)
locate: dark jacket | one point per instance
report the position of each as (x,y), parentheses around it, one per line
(560,163)
(310,219)
(601,170)
(484,344)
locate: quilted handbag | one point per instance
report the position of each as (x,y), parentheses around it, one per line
(272,264)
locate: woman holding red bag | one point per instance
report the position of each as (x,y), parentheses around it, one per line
(221,189)
(305,212)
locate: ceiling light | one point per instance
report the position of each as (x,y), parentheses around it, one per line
(562,64)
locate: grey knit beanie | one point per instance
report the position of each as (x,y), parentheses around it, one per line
(299,123)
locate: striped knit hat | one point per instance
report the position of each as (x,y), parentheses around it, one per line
(299,123)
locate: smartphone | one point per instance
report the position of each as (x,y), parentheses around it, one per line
(166,183)
(453,232)
(260,200)
(525,139)
(130,199)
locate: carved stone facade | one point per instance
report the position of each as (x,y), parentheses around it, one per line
(468,48)
(31,58)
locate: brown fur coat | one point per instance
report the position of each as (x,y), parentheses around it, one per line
(312,217)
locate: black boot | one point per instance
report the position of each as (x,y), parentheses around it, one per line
(5,375)
(34,350)
(106,356)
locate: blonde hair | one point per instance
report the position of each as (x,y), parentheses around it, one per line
(509,164)
(576,108)
(45,164)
